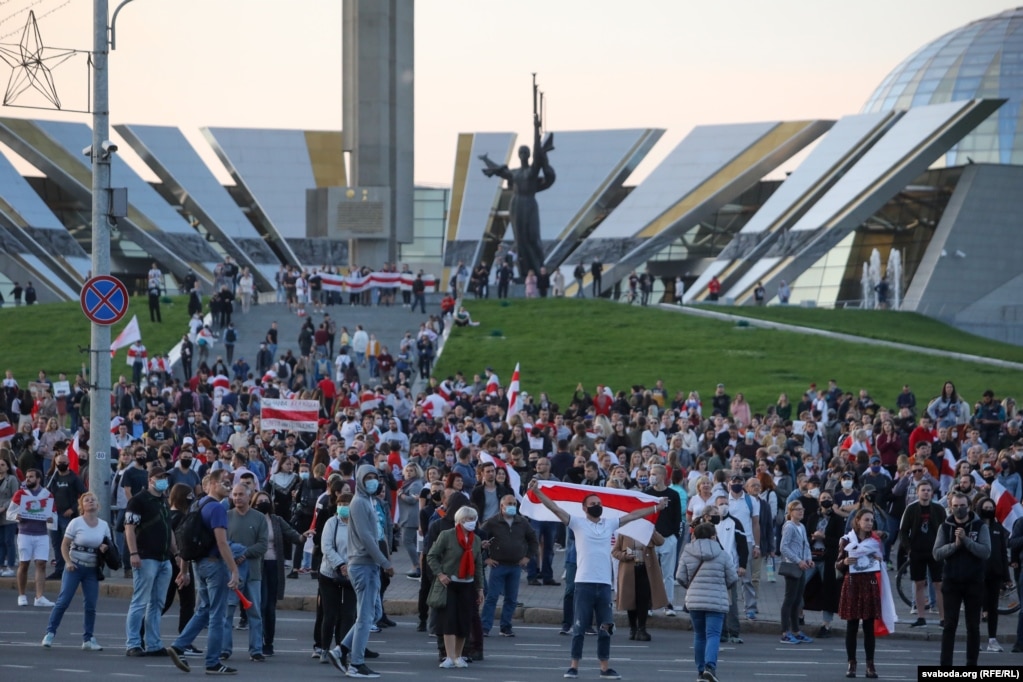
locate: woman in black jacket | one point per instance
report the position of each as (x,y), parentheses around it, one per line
(997,567)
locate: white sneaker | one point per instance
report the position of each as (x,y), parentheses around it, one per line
(993,646)
(7,573)
(912,611)
(22,600)
(461,663)
(669,612)
(48,640)
(447,663)
(42,601)
(91,645)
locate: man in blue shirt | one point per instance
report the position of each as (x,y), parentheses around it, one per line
(215,575)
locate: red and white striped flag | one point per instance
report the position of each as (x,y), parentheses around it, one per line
(129,335)
(115,422)
(6,431)
(1007,507)
(138,352)
(219,381)
(278,414)
(493,383)
(946,477)
(368,401)
(616,503)
(433,406)
(513,395)
(513,476)
(72,454)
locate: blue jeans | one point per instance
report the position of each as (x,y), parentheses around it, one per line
(86,577)
(592,598)
(253,591)
(545,532)
(706,638)
(149,584)
(211,576)
(9,545)
(667,554)
(366,581)
(503,580)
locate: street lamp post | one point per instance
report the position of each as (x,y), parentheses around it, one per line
(103,38)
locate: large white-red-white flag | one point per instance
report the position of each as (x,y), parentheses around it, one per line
(6,431)
(1007,507)
(616,503)
(513,395)
(493,383)
(129,335)
(279,414)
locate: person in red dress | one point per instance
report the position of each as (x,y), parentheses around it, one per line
(861,596)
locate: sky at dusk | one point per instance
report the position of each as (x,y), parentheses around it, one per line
(647,63)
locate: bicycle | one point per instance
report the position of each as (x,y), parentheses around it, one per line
(1008,598)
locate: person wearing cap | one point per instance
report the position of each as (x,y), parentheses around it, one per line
(151,547)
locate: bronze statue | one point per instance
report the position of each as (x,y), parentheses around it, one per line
(525,182)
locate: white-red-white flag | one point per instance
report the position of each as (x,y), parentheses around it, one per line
(115,422)
(513,476)
(72,454)
(616,503)
(946,477)
(368,401)
(1007,507)
(434,406)
(129,335)
(219,381)
(6,431)
(137,351)
(493,383)
(279,414)
(513,395)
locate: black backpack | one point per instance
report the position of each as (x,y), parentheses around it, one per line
(195,539)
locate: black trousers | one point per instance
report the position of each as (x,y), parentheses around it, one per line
(851,627)
(338,604)
(992,589)
(637,616)
(971,595)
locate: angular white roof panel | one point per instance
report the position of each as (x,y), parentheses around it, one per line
(275,169)
(181,164)
(19,194)
(481,193)
(697,157)
(73,137)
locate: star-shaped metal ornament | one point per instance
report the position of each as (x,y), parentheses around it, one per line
(32,65)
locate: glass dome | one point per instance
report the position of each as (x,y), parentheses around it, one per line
(983,59)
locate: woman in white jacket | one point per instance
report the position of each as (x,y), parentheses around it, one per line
(707,573)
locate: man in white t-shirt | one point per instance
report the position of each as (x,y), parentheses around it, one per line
(593,575)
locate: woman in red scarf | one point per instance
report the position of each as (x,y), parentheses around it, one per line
(457,561)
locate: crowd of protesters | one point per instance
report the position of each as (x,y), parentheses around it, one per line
(805,483)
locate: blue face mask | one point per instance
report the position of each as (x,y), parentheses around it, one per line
(304,475)
(875,469)
(372,486)
(342,512)
(161,485)
(511,510)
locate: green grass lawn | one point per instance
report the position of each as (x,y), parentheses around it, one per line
(560,342)
(48,336)
(888,325)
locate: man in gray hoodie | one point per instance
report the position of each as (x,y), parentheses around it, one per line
(365,560)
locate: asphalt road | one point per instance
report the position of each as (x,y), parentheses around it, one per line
(537,653)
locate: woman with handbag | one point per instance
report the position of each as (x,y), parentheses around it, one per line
(337,595)
(708,574)
(86,539)
(640,585)
(456,558)
(860,559)
(795,562)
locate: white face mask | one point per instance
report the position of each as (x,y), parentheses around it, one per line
(469,526)
(847,484)
(814,492)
